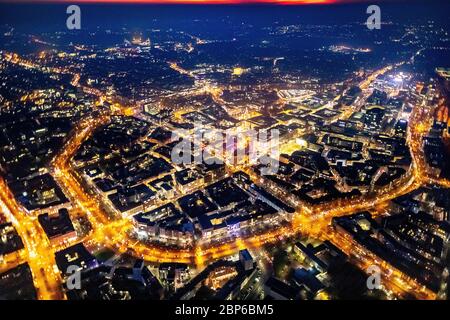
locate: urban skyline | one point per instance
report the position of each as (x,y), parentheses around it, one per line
(224,152)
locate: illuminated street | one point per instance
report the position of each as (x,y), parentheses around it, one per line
(221,158)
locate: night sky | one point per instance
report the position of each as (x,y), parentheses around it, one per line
(285,2)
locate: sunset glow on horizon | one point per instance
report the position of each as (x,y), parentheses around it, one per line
(279,2)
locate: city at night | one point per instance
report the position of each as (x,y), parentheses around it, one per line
(197,152)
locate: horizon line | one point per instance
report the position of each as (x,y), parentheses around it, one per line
(198,2)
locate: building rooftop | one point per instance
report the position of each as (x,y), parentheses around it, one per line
(56,225)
